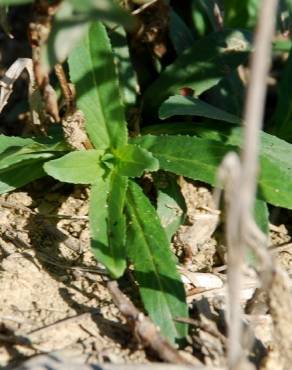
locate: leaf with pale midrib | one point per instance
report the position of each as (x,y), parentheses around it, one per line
(93,72)
(107,222)
(160,285)
(179,105)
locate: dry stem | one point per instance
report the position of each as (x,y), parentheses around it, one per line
(240,180)
(144,328)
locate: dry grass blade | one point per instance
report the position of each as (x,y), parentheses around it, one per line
(11,75)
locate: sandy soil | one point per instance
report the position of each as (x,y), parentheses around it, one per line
(53,296)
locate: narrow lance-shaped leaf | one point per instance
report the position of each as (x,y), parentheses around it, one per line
(20,175)
(179,33)
(187,156)
(179,105)
(160,285)
(207,151)
(107,222)
(16,154)
(200,67)
(13,141)
(208,8)
(93,71)
(127,75)
(12,158)
(80,167)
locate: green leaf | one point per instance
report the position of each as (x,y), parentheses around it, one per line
(187,156)
(4,22)
(15,2)
(105,10)
(275,178)
(79,167)
(72,22)
(207,130)
(13,141)
(107,222)
(93,71)
(127,75)
(205,8)
(160,285)
(133,161)
(180,35)
(171,206)
(14,155)
(240,13)
(282,120)
(283,46)
(229,94)
(261,214)
(20,175)
(67,30)
(188,106)
(200,67)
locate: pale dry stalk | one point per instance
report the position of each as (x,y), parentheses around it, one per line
(239,177)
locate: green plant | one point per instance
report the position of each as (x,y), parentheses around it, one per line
(125,227)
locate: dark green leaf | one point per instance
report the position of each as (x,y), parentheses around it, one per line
(282,121)
(20,175)
(93,71)
(199,18)
(179,33)
(187,156)
(160,285)
(200,67)
(239,13)
(208,8)
(80,167)
(72,22)
(179,105)
(282,45)
(127,75)
(229,94)
(14,2)
(275,180)
(207,130)
(133,161)
(107,222)
(261,214)
(13,141)
(105,10)
(16,154)
(171,206)
(4,23)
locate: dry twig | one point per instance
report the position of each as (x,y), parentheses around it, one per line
(144,328)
